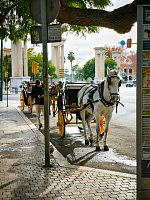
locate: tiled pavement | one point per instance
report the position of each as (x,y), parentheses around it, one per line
(23,175)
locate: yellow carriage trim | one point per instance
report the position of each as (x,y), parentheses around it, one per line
(22,100)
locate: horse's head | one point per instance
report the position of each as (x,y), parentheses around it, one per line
(60,85)
(25,86)
(113,82)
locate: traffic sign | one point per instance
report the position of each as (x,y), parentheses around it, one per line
(52,10)
(122,42)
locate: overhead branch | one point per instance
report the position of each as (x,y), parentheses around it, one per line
(121,20)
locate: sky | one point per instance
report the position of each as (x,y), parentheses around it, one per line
(83,48)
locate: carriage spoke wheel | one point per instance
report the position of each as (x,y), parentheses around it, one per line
(61,123)
(30,104)
(54,106)
(22,100)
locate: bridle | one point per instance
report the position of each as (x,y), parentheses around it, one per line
(114,97)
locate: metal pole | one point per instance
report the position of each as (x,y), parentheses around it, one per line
(7,89)
(1,72)
(7,77)
(45,82)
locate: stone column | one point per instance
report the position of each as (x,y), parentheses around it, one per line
(55,56)
(99,64)
(62,54)
(17,66)
(25,60)
(58,57)
(20,61)
(116,56)
(13,59)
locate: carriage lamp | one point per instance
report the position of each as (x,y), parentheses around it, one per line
(129,43)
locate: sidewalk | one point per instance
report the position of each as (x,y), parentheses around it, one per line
(23,175)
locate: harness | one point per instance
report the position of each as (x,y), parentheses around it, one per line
(100,89)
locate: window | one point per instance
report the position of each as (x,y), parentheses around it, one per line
(130,71)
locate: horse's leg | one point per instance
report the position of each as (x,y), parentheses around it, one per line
(88,121)
(82,114)
(97,116)
(107,120)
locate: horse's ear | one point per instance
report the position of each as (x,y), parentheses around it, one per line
(118,70)
(108,71)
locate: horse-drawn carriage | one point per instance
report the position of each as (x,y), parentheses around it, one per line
(90,102)
(68,107)
(25,95)
(27,100)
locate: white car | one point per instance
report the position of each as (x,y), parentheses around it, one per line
(130,84)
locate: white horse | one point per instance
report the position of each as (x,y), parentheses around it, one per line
(99,100)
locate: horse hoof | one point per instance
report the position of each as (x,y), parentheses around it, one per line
(86,142)
(98,148)
(106,148)
(91,141)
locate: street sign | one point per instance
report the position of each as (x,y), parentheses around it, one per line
(36,35)
(52,10)
(122,42)
(54,34)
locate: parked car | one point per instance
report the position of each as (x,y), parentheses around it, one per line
(130,84)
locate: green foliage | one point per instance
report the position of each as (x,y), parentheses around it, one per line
(39,59)
(89,69)
(78,72)
(71,57)
(89,3)
(7,67)
(17,20)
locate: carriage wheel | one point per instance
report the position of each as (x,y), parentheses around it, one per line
(22,100)
(61,123)
(30,104)
(54,105)
(102,124)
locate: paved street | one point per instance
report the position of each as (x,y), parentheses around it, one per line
(23,175)
(121,139)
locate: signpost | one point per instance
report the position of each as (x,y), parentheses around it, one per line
(1,72)
(143,99)
(48,10)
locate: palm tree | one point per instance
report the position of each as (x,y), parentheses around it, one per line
(71,58)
